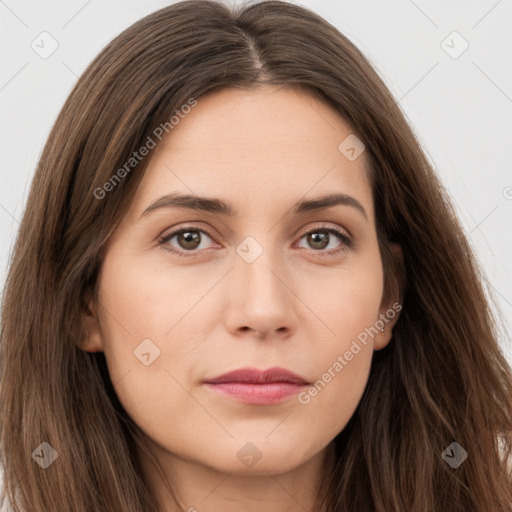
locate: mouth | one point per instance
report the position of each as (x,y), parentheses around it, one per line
(253,386)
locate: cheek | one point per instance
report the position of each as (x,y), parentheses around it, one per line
(350,308)
(142,300)
(148,340)
(333,397)
(342,369)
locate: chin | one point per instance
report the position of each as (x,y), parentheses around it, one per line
(259,457)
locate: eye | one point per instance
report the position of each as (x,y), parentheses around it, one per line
(320,238)
(190,239)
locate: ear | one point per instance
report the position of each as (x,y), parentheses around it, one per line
(393,294)
(94,339)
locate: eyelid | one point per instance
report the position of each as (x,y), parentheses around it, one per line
(323,225)
(347,240)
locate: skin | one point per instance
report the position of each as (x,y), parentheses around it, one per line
(294,306)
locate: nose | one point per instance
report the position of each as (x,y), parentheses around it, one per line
(260,295)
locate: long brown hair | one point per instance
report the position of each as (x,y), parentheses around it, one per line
(442,378)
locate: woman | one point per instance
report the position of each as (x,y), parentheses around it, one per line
(238,284)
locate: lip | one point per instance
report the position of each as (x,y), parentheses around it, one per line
(253,386)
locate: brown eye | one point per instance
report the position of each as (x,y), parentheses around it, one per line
(188,240)
(319,239)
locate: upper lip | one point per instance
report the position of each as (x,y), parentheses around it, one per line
(255,376)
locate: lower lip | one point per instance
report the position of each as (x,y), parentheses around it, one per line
(262,394)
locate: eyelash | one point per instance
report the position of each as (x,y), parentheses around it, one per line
(347,242)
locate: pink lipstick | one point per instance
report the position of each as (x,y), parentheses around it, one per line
(253,386)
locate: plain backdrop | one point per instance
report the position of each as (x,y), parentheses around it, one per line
(447,63)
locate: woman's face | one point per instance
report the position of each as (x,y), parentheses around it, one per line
(265,287)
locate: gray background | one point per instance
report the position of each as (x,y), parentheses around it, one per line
(459,104)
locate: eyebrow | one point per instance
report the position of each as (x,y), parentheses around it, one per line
(218,206)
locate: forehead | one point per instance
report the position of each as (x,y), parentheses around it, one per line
(262,147)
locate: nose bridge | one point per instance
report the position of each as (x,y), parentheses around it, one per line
(260,270)
(259,296)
